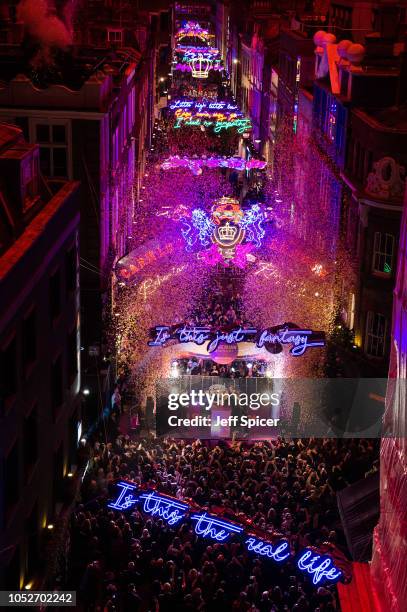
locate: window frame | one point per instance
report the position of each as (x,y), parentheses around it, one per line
(379,253)
(371,337)
(67,145)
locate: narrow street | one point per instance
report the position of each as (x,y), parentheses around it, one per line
(202,153)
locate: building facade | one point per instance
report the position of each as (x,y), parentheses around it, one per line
(388,568)
(92,119)
(40,401)
(357,104)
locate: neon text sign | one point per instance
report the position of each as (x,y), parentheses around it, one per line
(166,508)
(270,339)
(279,552)
(322,568)
(209,526)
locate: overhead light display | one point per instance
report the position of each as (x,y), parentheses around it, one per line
(197,164)
(226,229)
(192,29)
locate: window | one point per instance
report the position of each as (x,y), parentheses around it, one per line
(30,339)
(56,384)
(30,442)
(383,250)
(71,270)
(8,370)
(55,294)
(376,327)
(115,36)
(53,149)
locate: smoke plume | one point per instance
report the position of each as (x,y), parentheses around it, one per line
(43,24)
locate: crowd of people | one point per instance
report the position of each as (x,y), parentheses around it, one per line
(207,367)
(130,561)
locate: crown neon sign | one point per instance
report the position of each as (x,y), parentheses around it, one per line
(321,568)
(227,227)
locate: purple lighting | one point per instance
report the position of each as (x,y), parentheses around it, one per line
(196,164)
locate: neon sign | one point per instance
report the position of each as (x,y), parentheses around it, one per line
(270,339)
(196,164)
(321,567)
(201,64)
(279,552)
(168,509)
(219,122)
(150,285)
(209,526)
(204,105)
(220,115)
(130,269)
(227,227)
(193,29)
(125,498)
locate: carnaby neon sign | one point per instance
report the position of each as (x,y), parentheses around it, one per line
(320,567)
(271,339)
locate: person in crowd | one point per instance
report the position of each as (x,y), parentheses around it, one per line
(130,561)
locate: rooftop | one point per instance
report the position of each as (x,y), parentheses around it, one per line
(394,118)
(71,69)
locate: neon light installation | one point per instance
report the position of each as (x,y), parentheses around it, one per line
(204,105)
(196,164)
(279,552)
(168,509)
(300,339)
(227,227)
(193,29)
(187,49)
(124,501)
(209,526)
(219,123)
(321,567)
(200,63)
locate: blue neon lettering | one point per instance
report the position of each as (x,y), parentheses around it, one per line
(209,526)
(278,552)
(169,510)
(320,567)
(299,339)
(198,335)
(162,335)
(124,501)
(296,337)
(236,335)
